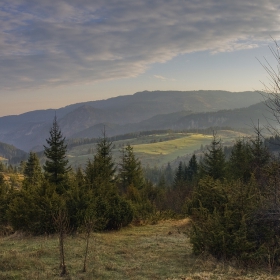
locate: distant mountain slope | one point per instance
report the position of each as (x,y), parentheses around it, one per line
(31,129)
(183,120)
(242,117)
(156,122)
(237,118)
(9,151)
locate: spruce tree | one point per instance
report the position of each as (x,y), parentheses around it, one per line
(79,177)
(56,164)
(214,163)
(130,172)
(111,210)
(100,173)
(168,174)
(161,182)
(32,171)
(179,179)
(192,168)
(260,153)
(239,166)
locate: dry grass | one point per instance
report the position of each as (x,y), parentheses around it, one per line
(160,251)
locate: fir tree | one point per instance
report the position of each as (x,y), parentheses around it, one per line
(192,168)
(260,154)
(32,171)
(161,182)
(111,210)
(179,176)
(168,174)
(130,172)
(240,161)
(79,177)
(214,163)
(100,173)
(56,164)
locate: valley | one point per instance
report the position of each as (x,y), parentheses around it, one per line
(142,111)
(158,149)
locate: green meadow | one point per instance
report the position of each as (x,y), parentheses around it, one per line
(156,149)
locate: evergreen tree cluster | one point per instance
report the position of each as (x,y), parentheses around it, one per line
(235,204)
(105,193)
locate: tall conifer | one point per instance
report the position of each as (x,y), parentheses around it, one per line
(100,173)
(56,164)
(239,166)
(130,169)
(192,168)
(214,163)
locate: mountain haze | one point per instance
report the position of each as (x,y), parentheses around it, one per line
(9,151)
(141,111)
(245,118)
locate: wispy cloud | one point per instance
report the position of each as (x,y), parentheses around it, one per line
(164,78)
(159,77)
(47,43)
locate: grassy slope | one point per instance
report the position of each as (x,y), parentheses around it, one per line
(160,251)
(166,149)
(163,152)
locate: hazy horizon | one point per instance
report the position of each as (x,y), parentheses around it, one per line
(104,99)
(58,53)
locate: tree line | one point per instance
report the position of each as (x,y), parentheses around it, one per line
(233,200)
(232,197)
(111,195)
(235,204)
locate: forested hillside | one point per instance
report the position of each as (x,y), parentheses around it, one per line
(11,153)
(123,114)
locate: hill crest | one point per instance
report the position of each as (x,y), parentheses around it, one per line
(31,128)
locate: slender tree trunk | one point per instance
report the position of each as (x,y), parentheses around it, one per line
(89,224)
(61,222)
(62,255)
(86,253)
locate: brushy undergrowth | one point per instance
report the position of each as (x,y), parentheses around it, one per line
(159,251)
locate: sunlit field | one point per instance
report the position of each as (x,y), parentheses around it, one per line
(156,149)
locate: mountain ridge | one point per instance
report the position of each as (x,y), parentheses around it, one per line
(30,129)
(236,118)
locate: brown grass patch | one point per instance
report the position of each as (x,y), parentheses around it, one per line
(160,251)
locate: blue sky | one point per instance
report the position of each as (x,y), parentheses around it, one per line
(54,53)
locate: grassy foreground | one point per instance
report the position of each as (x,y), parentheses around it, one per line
(160,251)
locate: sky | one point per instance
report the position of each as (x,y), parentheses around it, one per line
(55,53)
